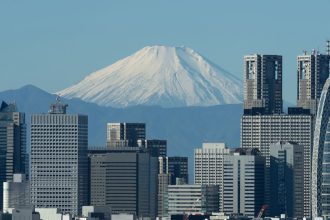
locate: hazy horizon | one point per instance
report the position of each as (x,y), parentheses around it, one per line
(54,45)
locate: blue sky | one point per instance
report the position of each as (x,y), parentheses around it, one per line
(54,44)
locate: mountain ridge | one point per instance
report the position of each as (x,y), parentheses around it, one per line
(184,128)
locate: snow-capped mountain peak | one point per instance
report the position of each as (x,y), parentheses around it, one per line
(159,75)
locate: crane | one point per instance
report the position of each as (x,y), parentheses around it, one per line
(186,216)
(262,211)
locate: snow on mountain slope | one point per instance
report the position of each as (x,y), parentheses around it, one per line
(159,75)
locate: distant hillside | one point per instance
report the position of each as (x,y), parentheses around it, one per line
(185,128)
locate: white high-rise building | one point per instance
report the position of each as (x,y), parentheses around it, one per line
(243,182)
(209,163)
(59,163)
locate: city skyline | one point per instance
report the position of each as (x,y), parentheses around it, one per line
(246,171)
(154,110)
(96,35)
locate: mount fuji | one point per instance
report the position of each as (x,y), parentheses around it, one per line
(159,75)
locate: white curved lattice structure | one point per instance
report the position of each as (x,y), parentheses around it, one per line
(321,157)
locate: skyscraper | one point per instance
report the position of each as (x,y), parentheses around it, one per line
(59,163)
(164,180)
(178,168)
(12,143)
(263,83)
(125,134)
(313,71)
(287,180)
(209,163)
(157,148)
(171,171)
(126,179)
(321,157)
(243,182)
(261,131)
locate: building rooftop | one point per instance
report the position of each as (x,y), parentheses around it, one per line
(11,107)
(58,107)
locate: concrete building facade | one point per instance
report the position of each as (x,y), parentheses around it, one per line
(261,131)
(16,193)
(263,83)
(52,214)
(125,179)
(312,72)
(178,168)
(209,164)
(25,214)
(162,202)
(287,180)
(188,199)
(125,134)
(96,213)
(171,171)
(243,182)
(157,148)
(12,143)
(59,163)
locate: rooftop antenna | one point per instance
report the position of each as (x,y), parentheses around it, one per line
(305,52)
(313,51)
(58,107)
(328,47)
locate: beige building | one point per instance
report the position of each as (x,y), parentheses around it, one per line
(263,83)
(312,72)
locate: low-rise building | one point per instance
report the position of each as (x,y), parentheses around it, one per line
(16,193)
(188,199)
